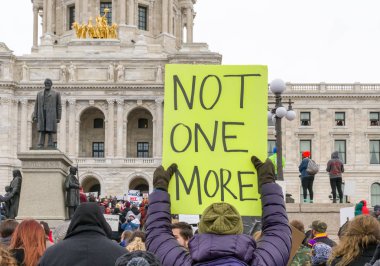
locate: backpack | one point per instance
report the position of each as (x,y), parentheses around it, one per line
(312,167)
(223,261)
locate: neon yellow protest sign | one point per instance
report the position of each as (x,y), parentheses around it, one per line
(215,119)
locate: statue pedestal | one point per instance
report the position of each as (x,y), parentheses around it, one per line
(42,194)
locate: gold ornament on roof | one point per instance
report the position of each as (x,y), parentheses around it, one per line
(101,29)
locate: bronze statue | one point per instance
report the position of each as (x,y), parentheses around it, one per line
(47,113)
(13,196)
(72,191)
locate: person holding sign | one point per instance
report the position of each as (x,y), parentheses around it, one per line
(221,227)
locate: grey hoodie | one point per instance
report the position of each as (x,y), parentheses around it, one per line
(335,166)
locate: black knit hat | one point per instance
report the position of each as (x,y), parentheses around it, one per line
(138,258)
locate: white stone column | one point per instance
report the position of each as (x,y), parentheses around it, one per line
(72,126)
(49,19)
(159,127)
(62,129)
(131,12)
(189,25)
(24,125)
(110,128)
(114,8)
(77,11)
(170,16)
(164,16)
(44,16)
(122,12)
(84,12)
(119,128)
(35,26)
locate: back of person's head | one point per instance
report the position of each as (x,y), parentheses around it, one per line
(7,227)
(46,227)
(319,226)
(88,217)
(126,235)
(274,149)
(60,231)
(306,154)
(320,254)
(361,232)
(136,241)
(221,219)
(299,225)
(185,229)
(30,236)
(6,258)
(138,258)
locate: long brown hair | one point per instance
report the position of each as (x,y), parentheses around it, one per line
(30,236)
(362,232)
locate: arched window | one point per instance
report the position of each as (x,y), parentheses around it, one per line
(375,194)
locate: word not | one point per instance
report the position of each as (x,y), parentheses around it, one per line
(190,100)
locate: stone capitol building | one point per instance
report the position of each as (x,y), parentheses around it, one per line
(112,99)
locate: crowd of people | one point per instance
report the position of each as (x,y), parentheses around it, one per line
(147,235)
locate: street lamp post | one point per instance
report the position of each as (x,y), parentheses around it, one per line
(277,87)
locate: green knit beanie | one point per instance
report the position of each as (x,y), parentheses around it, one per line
(221,219)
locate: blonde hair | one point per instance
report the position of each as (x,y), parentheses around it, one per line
(361,232)
(136,244)
(6,258)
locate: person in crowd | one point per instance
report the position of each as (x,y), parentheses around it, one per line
(138,258)
(82,195)
(124,239)
(358,244)
(221,227)
(183,232)
(335,169)
(48,234)
(6,258)
(132,223)
(320,254)
(136,211)
(142,211)
(302,257)
(273,158)
(7,228)
(361,208)
(136,241)
(319,234)
(28,243)
(307,180)
(87,242)
(60,231)
(376,212)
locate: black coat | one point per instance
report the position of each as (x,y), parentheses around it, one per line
(365,257)
(87,243)
(53,111)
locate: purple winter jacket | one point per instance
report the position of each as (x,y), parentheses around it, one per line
(272,250)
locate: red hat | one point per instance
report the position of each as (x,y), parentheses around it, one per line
(305,154)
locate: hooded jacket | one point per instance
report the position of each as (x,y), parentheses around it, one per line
(335,166)
(87,242)
(272,249)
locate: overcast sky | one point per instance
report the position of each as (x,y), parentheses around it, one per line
(300,40)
